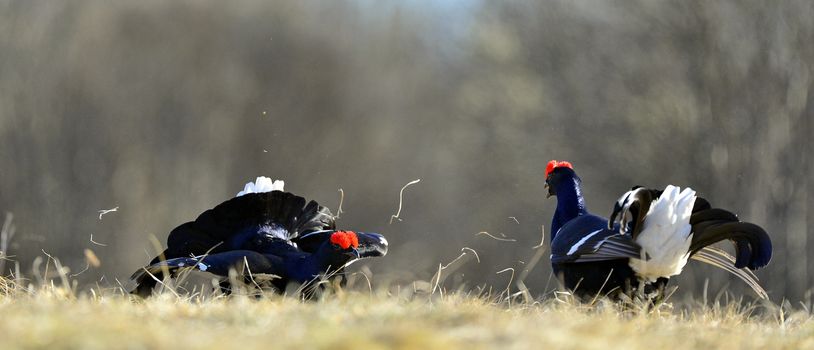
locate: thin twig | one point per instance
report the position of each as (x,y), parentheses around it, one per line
(508,285)
(6,234)
(369,284)
(602,287)
(441,267)
(87,266)
(496,238)
(538,254)
(172,290)
(524,291)
(515,219)
(341,200)
(61,271)
(105,211)
(473,252)
(401,200)
(542,239)
(96,243)
(438,274)
(251,277)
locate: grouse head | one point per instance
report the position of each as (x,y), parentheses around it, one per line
(556,173)
(341,248)
(345,241)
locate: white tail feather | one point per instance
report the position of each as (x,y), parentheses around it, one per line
(666,234)
(262,184)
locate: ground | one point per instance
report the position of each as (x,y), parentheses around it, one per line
(50,317)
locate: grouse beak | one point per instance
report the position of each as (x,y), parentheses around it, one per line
(547,193)
(371,244)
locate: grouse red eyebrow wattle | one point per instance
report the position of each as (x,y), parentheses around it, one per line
(345,239)
(553,164)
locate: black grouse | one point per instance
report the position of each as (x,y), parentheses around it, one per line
(262,231)
(649,238)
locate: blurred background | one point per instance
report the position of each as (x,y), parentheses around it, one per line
(165,109)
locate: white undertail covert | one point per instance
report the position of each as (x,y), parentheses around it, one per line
(666,234)
(262,184)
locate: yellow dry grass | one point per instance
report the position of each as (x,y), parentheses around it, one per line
(52,317)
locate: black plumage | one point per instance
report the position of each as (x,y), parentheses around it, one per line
(593,256)
(272,233)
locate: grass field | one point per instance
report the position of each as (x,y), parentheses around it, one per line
(51,317)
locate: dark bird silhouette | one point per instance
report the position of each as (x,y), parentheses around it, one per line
(261,232)
(648,238)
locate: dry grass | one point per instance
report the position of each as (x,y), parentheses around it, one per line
(52,317)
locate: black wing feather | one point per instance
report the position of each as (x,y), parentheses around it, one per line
(600,244)
(237,215)
(613,247)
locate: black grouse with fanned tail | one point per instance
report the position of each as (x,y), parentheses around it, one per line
(648,239)
(261,232)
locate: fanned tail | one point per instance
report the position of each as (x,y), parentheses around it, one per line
(753,247)
(721,259)
(234,217)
